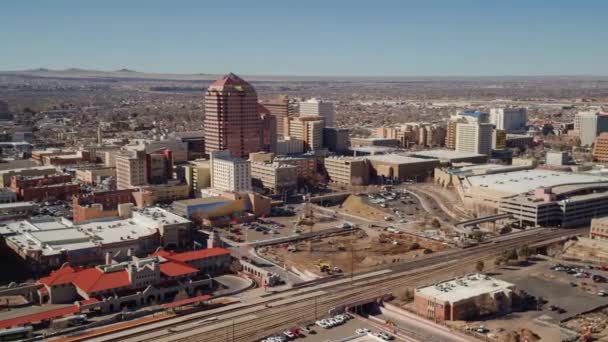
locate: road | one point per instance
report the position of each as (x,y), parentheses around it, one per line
(257,318)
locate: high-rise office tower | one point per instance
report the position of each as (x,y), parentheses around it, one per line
(509,119)
(308,129)
(474,138)
(268,130)
(232,121)
(131,170)
(282,108)
(316,107)
(590,125)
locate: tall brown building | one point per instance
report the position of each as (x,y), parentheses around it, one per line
(268,129)
(232,121)
(281,108)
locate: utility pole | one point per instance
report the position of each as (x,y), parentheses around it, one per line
(316,307)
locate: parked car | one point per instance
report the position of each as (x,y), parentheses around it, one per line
(362,331)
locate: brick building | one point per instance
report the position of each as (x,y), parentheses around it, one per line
(41,188)
(464,298)
(101,204)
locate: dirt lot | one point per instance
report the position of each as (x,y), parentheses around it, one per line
(357,205)
(357,249)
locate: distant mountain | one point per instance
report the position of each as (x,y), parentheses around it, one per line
(125,70)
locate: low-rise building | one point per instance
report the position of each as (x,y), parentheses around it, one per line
(136,282)
(149,195)
(599,228)
(47,243)
(7,195)
(306,165)
(41,188)
(348,170)
(401,168)
(564,205)
(336,139)
(289,145)
(464,298)
(15,210)
(102,204)
(95,175)
(557,158)
(222,208)
(197,175)
(28,171)
(521,141)
(278,178)
(450,156)
(363,142)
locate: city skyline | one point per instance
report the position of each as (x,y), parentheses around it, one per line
(437,38)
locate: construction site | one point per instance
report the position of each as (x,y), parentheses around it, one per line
(355,250)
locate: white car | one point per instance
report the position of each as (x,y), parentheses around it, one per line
(289,334)
(362,331)
(383,336)
(322,324)
(332,322)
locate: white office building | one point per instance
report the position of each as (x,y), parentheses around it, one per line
(474,138)
(509,119)
(229,173)
(316,107)
(590,125)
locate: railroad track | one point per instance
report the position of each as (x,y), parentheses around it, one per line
(253,322)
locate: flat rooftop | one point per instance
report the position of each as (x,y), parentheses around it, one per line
(445,154)
(203,200)
(397,159)
(469,286)
(477,169)
(518,182)
(51,236)
(373,149)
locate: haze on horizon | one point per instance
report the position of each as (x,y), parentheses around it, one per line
(312,38)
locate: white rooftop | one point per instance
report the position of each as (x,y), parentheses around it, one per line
(53,235)
(396,159)
(518,182)
(459,289)
(445,154)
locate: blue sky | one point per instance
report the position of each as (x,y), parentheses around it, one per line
(309,37)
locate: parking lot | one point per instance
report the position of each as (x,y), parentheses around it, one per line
(278,226)
(567,293)
(347,329)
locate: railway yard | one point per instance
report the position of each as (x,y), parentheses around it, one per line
(260,317)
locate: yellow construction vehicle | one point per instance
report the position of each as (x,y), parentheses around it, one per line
(324,266)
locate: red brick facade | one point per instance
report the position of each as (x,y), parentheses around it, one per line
(54,187)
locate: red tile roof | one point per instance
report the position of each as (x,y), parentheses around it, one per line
(64,275)
(89,301)
(230,79)
(94,280)
(39,316)
(186,301)
(175,269)
(194,255)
